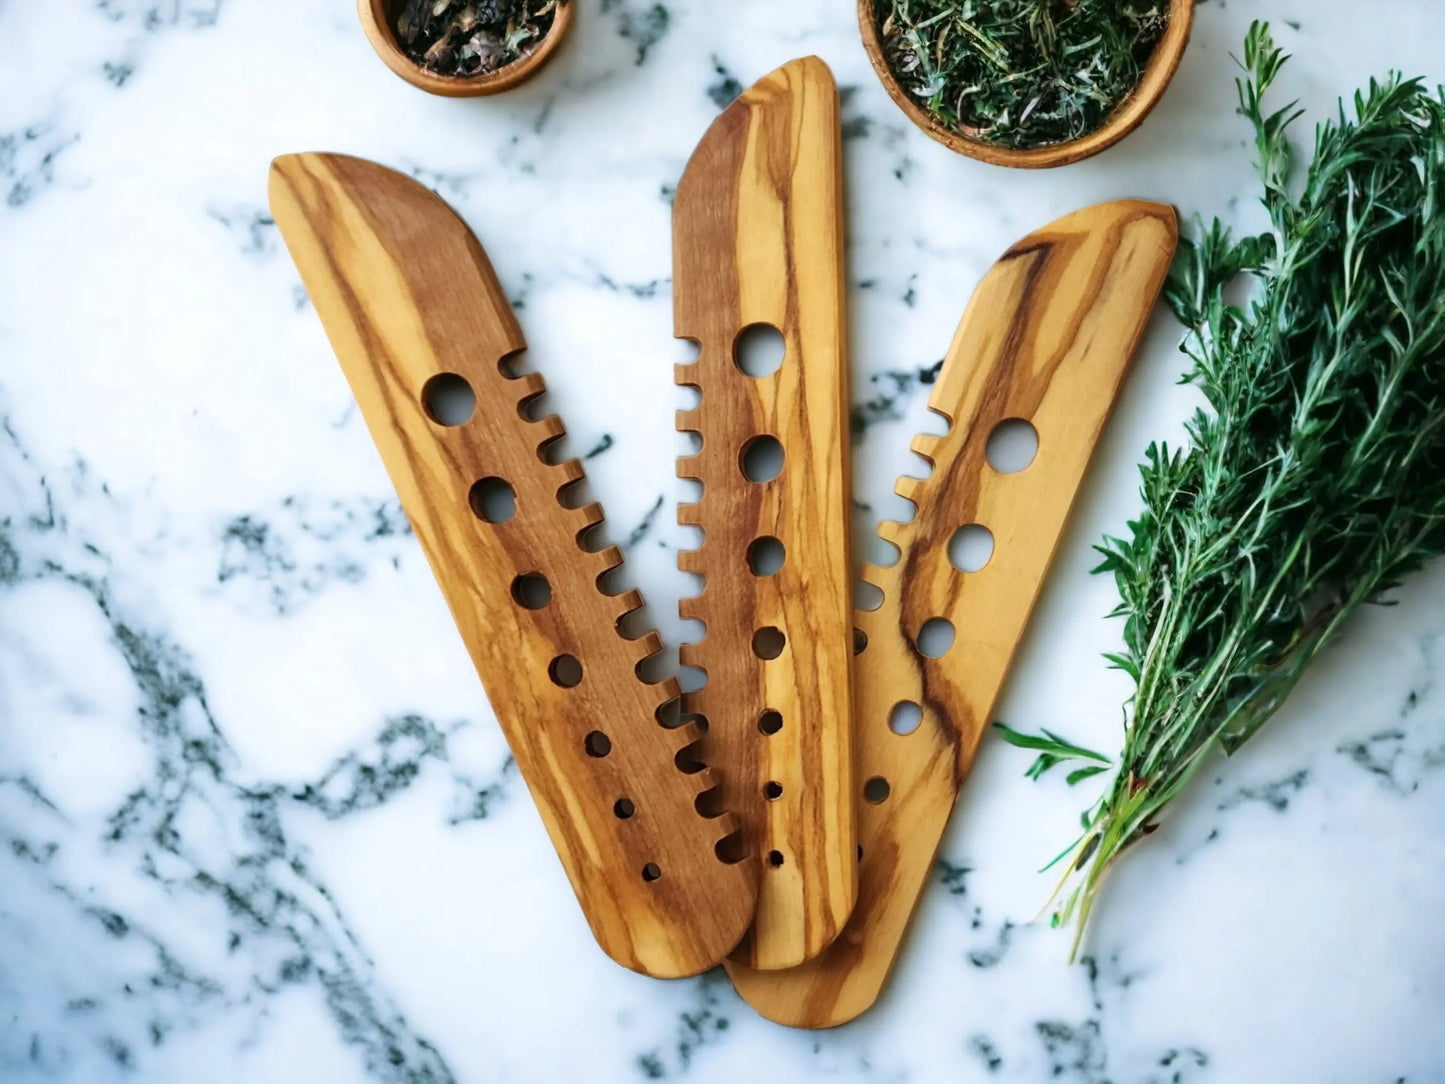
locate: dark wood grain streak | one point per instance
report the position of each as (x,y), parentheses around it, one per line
(1047,337)
(758,239)
(405,292)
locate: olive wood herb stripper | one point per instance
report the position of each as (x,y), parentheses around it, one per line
(758,249)
(414,310)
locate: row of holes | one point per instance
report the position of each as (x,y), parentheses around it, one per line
(1012,447)
(769,723)
(449,400)
(759,351)
(728,849)
(598,744)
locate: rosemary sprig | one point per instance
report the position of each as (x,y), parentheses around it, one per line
(1316,478)
(1020,73)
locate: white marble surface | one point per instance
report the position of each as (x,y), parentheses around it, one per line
(256,819)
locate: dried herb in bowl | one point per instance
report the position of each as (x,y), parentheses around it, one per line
(1020,73)
(472,37)
(1315,479)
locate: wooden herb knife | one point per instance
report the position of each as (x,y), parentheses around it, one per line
(758,244)
(1046,338)
(414,311)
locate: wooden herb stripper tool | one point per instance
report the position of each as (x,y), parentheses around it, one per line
(413,308)
(1046,338)
(758,243)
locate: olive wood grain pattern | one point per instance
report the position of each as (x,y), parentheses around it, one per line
(758,240)
(1046,338)
(1126,117)
(406,294)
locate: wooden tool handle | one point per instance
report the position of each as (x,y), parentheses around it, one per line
(758,240)
(412,306)
(1046,338)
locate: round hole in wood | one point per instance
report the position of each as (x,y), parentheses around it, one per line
(905,717)
(876,790)
(971,547)
(531,590)
(448,399)
(770,722)
(768,642)
(624,808)
(1012,446)
(761,459)
(597,744)
(860,641)
(935,637)
(493,499)
(775,859)
(766,555)
(651,871)
(772,790)
(565,671)
(759,350)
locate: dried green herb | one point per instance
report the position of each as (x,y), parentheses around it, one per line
(1316,478)
(472,37)
(1020,73)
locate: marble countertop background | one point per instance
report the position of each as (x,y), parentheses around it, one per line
(257,822)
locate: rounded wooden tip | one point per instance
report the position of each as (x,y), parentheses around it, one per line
(377,21)
(1127,116)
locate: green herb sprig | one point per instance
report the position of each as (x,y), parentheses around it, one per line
(1315,481)
(1020,73)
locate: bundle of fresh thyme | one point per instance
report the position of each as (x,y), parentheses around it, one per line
(1020,73)
(471,37)
(1316,479)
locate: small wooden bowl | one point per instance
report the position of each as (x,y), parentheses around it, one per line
(1127,115)
(378,19)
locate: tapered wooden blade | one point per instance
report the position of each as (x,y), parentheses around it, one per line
(1046,338)
(758,240)
(410,303)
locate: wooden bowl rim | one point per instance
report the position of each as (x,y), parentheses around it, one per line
(377,25)
(1127,115)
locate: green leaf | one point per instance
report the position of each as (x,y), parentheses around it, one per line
(1061,855)
(1312,479)
(1049,743)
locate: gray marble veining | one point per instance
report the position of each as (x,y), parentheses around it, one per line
(256,819)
